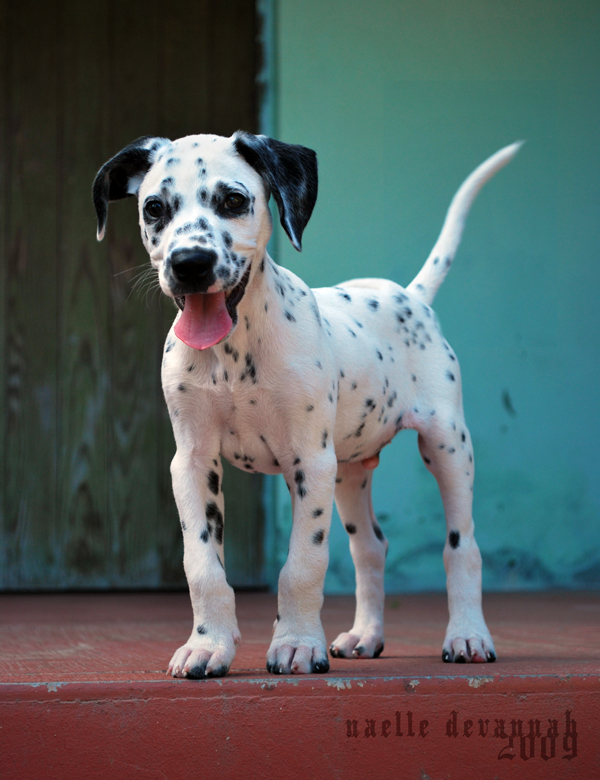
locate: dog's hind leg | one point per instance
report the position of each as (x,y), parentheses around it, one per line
(446,449)
(368,547)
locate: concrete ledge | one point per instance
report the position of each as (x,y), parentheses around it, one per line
(83,694)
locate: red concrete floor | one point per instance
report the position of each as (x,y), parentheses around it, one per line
(83,694)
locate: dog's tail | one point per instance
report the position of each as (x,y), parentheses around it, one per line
(426,283)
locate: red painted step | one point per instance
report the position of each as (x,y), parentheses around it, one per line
(83,695)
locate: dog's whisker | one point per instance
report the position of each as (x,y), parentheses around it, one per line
(128,270)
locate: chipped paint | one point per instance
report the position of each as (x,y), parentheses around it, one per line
(477,682)
(339,684)
(410,686)
(54,686)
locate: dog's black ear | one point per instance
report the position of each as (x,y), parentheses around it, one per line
(122,175)
(290,172)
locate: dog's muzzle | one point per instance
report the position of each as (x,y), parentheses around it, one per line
(208,318)
(192,270)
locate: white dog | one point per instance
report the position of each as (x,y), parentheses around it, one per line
(279,378)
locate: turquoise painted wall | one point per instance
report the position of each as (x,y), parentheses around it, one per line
(401,100)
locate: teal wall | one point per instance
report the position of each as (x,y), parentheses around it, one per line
(401,100)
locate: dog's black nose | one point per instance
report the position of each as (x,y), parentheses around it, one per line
(193,269)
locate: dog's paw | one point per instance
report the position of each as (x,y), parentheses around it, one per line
(349,645)
(468,645)
(297,656)
(199,660)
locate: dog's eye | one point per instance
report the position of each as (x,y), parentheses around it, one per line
(234,201)
(153,209)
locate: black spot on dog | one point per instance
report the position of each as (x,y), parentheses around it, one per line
(181,388)
(297,461)
(213,482)
(204,535)
(454,539)
(373,304)
(275,462)
(228,241)
(214,517)
(351,528)
(364,484)
(378,532)
(201,630)
(324,439)
(289,316)
(318,537)
(344,295)
(351,332)
(317,512)
(392,399)
(379,355)
(450,376)
(250,369)
(310,408)
(299,480)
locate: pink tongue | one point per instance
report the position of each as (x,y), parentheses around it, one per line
(204,320)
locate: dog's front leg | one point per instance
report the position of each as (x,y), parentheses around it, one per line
(298,645)
(197,475)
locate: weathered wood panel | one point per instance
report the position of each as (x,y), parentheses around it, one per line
(86,441)
(31,289)
(81,511)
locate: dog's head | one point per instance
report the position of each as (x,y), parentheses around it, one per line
(204,217)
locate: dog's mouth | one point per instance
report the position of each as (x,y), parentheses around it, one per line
(207,318)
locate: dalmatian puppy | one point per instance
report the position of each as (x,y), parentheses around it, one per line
(281,379)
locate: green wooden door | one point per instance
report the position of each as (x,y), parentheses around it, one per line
(86,443)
